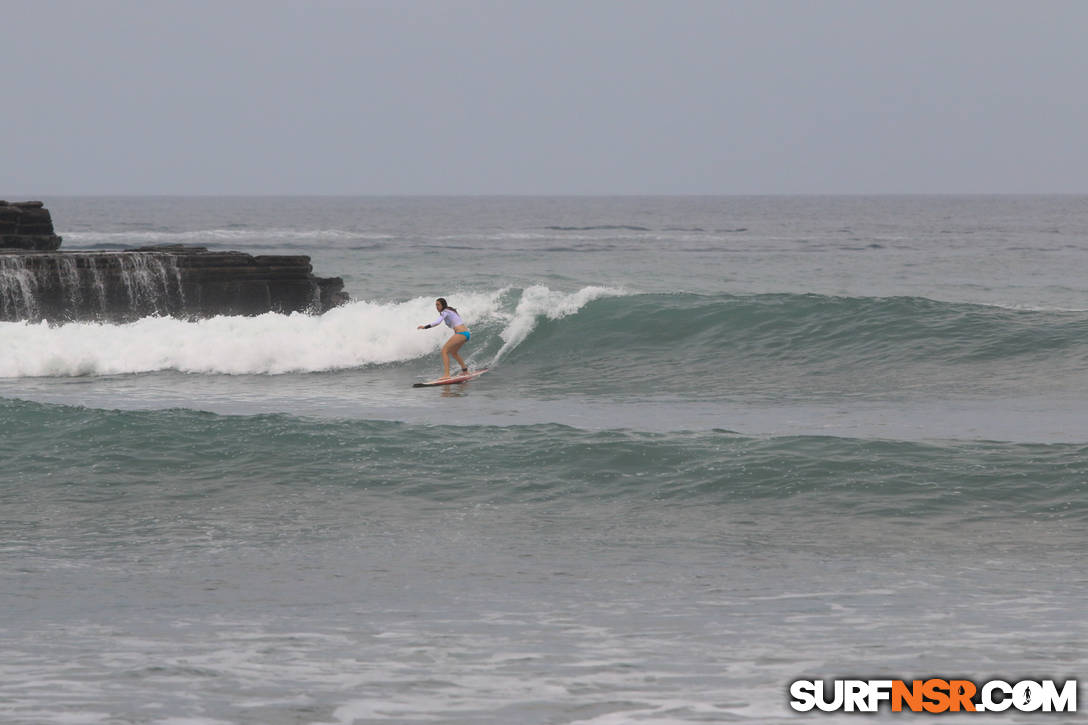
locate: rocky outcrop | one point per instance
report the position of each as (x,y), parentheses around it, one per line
(27,225)
(175,280)
(186,282)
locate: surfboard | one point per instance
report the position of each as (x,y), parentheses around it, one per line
(462,378)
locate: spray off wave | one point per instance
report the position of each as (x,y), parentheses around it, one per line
(539,302)
(356,335)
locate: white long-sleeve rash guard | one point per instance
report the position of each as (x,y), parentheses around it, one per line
(451,318)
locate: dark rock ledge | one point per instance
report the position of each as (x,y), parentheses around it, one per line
(37,282)
(27,225)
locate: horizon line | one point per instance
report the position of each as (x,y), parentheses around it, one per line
(567,195)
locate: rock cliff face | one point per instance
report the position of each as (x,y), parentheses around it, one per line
(179,281)
(27,225)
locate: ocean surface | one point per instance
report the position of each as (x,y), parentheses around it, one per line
(725,443)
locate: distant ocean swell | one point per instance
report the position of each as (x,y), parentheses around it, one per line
(235,456)
(214,237)
(241,234)
(610,332)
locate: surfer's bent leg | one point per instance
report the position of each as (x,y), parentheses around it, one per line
(450,348)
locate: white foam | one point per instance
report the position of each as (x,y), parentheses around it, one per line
(355,335)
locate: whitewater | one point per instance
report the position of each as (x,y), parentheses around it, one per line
(354,335)
(726,443)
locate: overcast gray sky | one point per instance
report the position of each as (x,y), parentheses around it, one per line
(548,97)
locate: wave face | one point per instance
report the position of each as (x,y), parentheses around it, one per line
(604,340)
(790,344)
(801,326)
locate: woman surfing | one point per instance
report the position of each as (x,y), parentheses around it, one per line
(461,335)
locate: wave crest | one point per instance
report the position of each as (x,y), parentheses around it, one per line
(358,334)
(786,337)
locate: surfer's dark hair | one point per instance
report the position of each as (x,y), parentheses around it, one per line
(446,305)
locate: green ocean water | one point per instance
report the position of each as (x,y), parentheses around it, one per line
(724,444)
